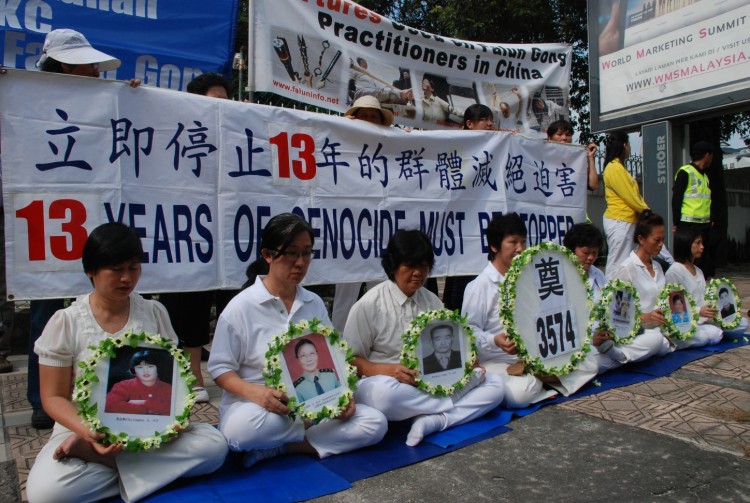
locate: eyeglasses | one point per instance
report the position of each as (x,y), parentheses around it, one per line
(294,256)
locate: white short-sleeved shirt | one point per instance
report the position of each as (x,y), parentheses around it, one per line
(66,339)
(249,323)
(634,270)
(481,306)
(378,320)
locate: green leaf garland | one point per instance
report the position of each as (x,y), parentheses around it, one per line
(88,410)
(410,358)
(669,326)
(712,300)
(600,313)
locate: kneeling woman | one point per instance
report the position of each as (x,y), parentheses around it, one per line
(73,466)
(254,417)
(688,246)
(374,329)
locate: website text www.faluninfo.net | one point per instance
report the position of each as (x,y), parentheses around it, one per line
(307,94)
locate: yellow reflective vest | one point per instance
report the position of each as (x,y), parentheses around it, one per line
(696,202)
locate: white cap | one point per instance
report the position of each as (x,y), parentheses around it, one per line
(72,48)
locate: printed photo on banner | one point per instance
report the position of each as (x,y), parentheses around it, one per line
(507,105)
(392,86)
(309,62)
(443,100)
(140,382)
(544,106)
(442,348)
(312,369)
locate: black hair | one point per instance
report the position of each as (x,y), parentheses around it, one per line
(583,234)
(278,233)
(723,289)
(646,223)
(618,294)
(476,112)
(301,343)
(205,81)
(682,244)
(407,247)
(502,226)
(438,327)
(52,66)
(539,111)
(678,297)
(147,356)
(615,144)
(559,125)
(111,244)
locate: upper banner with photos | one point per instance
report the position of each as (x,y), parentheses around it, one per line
(329,53)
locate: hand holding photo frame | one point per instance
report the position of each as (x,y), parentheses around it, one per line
(136,390)
(722,295)
(679,310)
(551,325)
(441,346)
(310,363)
(618,311)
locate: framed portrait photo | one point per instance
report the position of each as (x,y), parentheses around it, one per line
(618,311)
(679,310)
(310,362)
(440,345)
(545,306)
(136,389)
(721,294)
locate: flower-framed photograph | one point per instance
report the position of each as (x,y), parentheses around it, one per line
(722,295)
(441,346)
(310,362)
(618,311)
(679,310)
(136,389)
(545,307)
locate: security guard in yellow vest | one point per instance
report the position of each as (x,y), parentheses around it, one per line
(691,199)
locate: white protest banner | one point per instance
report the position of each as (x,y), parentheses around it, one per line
(200,177)
(329,53)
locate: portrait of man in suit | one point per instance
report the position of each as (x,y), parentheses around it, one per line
(443,356)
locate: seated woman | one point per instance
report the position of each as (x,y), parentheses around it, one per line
(647,277)
(688,246)
(143,394)
(374,329)
(506,235)
(74,466)
(254,417)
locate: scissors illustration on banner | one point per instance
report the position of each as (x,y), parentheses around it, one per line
(281,47)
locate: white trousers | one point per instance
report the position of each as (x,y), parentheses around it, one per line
(705,334)
(399,401)
(199,451)
(619,244)
(248,426)
(343,299)
(520,391)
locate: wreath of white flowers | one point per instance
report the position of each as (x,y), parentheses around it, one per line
(535,365)
(88,409)
(712,299)
(600,314)
(410,358)
(669,326)
(272,368)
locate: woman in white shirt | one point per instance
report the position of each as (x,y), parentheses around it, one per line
(647,277)
(254,417)
(688,246)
